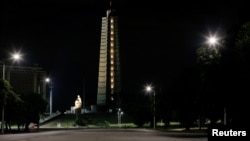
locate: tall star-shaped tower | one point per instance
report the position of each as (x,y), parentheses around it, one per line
(108,93)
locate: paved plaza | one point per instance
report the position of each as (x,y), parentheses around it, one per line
(105,135)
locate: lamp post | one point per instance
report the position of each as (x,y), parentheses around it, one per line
(2,122)
(15,57)
(119,113)
(50,94)
(215,43)
(149,89)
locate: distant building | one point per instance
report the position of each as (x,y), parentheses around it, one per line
(108,92)
(25,79)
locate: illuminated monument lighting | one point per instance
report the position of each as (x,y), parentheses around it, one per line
(108,93)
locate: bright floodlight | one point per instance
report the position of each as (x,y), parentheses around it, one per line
(47,79)
(16,56)
(148,88)
(212,40)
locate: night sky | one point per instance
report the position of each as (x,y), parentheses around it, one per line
(158,39)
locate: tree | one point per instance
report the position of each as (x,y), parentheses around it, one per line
(242,44)
(34,105)
(241,76)
(7,95)
(13,110)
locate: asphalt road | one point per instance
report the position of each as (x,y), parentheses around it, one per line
(105,135)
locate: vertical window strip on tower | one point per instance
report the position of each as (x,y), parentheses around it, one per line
(111,55)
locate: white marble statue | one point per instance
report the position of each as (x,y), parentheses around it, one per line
(78,102)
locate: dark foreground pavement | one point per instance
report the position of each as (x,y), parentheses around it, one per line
(104,135)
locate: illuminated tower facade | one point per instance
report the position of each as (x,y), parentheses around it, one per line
(108,92)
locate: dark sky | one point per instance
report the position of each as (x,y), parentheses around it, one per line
(157,38)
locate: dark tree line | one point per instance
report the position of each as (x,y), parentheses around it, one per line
(214,90)
(20,109)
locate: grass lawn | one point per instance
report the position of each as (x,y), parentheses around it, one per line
(103,120)
(89,120)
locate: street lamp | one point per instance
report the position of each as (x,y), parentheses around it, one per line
(50,95)
(214,42)
(15,57)
(149,89)
(119,113)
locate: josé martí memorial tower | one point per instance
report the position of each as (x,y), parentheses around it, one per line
(109,87)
